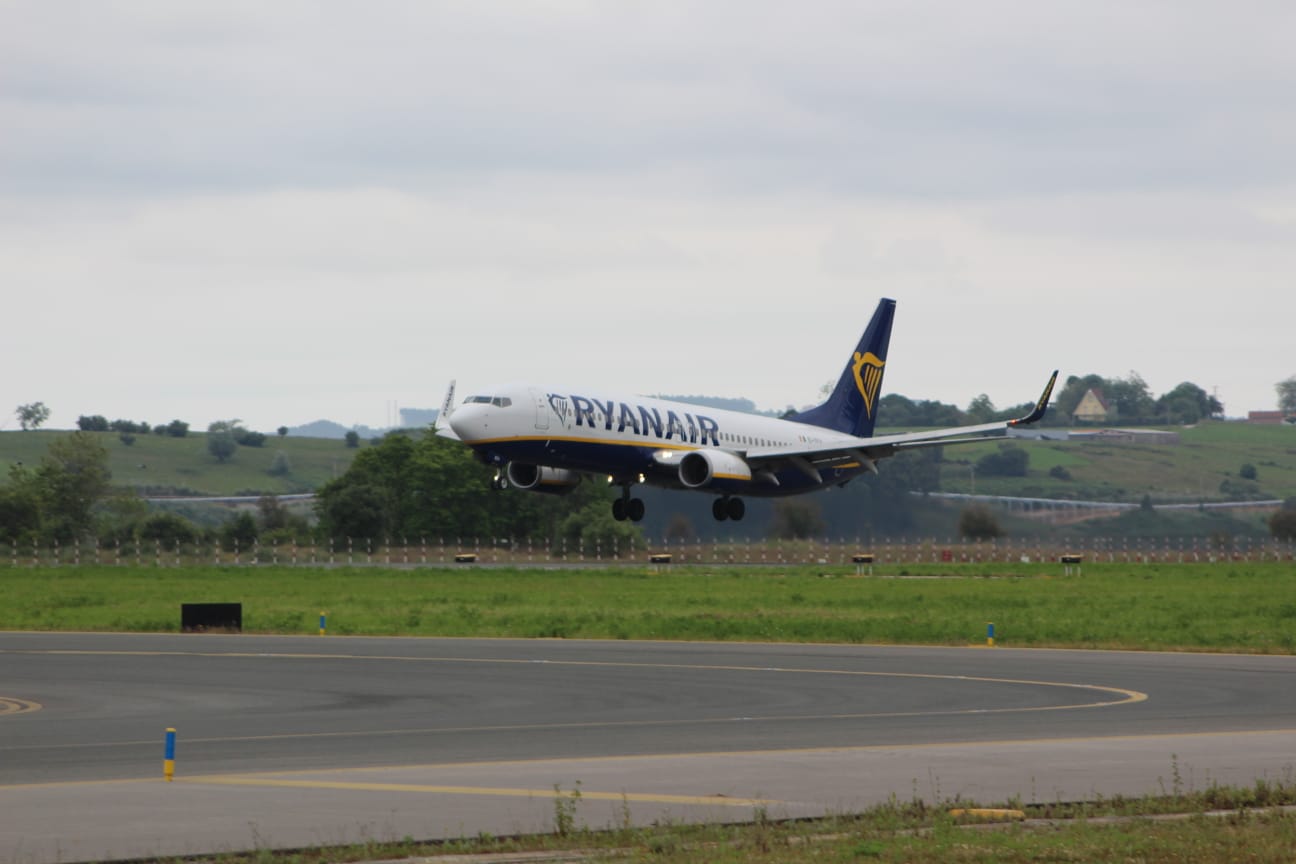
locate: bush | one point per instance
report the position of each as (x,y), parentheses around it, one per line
(1247,471)
(979,522)
(279,466)
(1057,472)
(245,438)
(168,529)
(1010,461)
(1282,525)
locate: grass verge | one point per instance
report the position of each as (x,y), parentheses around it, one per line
(1185,827)
(1230,606)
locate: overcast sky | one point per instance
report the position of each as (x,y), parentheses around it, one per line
(285,211)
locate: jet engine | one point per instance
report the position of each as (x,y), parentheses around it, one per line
(700,468)
(538,478)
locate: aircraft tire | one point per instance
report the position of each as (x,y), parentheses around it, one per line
(737,509)
(619,510)
(720,509)
(634,509)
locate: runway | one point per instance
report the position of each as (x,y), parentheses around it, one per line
(298,741)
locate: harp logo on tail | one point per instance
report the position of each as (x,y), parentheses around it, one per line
(868,377)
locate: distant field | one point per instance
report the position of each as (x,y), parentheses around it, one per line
(1232,606)
(161,463)
(1208,455)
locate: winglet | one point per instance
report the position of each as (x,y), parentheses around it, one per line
(1040,407)
(442,425)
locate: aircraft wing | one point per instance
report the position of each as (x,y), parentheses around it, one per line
(866,451)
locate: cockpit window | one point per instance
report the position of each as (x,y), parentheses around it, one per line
(497,401)
(501,402)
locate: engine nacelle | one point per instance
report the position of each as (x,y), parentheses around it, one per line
(700,468)
(538,478)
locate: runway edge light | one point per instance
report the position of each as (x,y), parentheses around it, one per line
(168,759)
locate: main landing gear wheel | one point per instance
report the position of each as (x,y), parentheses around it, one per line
(628,508)
(728,508)
(499,482)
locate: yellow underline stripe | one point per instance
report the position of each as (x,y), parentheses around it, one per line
(583,794)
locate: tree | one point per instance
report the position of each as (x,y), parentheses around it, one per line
(176,429)
(273,514)
(93,423)
(1187,403)
(240,532)
(72,479)
(1248,471)
(282,431)
(1130,397)
(1287,395)
(432,487)
(220,439)
(797,519)
(352,438)
(31,416)
(981,410)
(19,507)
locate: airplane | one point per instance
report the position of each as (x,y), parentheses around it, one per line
(545,439)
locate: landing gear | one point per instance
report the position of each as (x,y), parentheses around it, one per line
(626,507)
(728,508)
(499,482)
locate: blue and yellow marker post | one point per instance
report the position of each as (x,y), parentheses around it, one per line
(323,622)
(989,634)
(168,760)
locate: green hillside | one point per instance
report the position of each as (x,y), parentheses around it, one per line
(1205,465)
(1208,456)
(158,464)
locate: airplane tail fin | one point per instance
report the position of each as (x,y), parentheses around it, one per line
(852,405)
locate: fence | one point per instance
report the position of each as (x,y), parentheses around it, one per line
(423,551)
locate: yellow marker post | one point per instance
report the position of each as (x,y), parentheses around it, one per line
(168,761)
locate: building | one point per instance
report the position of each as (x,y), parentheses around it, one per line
(1092,408)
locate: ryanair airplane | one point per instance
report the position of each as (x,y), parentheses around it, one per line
(545,439)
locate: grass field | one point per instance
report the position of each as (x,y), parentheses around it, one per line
(1208,455)
(159,463)
(1231,606)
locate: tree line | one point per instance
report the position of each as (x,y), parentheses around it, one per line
(1129,400)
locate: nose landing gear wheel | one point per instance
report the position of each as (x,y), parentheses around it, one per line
(628,508)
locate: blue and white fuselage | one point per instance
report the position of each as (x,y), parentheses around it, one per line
(545,438)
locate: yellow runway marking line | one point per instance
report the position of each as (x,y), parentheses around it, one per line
(9,705)
(657,757)
(504,792)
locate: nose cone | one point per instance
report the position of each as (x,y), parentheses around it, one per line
(471,421)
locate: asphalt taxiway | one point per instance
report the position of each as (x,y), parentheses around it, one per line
(291,742)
